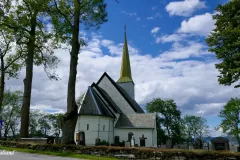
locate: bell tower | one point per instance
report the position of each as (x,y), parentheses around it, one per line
(125,80)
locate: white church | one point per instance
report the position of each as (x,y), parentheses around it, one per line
(108,111)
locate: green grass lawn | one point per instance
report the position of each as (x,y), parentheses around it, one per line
(61,154)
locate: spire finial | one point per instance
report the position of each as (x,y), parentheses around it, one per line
(125,28)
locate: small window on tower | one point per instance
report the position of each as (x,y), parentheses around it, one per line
(103,127)
(87,126)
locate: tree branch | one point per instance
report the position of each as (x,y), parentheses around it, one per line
(65,16)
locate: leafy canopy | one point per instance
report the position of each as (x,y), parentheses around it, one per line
(169,116)
(230,118)
(224,41)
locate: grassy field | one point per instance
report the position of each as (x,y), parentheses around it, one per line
(61,154)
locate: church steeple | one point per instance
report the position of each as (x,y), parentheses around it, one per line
(125,74)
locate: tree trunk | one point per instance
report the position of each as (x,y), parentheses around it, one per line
(70,118)
(28,80)
(2,87)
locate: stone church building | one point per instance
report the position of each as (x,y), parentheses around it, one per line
(108,111)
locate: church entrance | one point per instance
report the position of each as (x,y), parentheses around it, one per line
(80,138)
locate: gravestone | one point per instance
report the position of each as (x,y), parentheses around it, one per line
(163,146)
(132,142)
(176,146)
(220,143)
(127,144)
(183,146)
(142,141)
(169,143)
(116,140)
(206,146)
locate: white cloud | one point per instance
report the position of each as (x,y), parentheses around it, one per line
(184,8)
(199,25)
(154,8)
(138,18)
(170,38)
(129,13)
(150,18)
(155,30)
(178,51)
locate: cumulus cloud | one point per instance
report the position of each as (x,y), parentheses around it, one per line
(184,8)
(155,30)
(178,51)
(171,38)
(199,25)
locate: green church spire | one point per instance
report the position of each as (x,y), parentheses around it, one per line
(125,74)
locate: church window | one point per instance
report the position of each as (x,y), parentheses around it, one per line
(87,126)
(103,127)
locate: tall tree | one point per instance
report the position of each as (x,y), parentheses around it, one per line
(10,57)
(195,127)
(66,19)
(169,117)
(230,118)
(28,20)
(224,42)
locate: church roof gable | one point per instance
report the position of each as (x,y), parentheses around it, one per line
(109,100)
(92,105)
(131,101)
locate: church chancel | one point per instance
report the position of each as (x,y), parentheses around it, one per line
(108,109)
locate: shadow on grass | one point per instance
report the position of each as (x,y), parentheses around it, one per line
(60,154)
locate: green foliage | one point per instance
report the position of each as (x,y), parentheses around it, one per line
(169,118)
(11,112)
(92,15)
(230,118)
(194,127)
(224,42)
(102,143)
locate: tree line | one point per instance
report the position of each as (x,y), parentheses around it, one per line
(41,124)
(187,129)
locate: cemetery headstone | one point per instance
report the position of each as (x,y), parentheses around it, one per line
(176,146)
(127,144)
(116,140)
(132,142)
(169,143)
(206,146)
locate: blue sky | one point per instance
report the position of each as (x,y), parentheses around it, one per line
(168,54)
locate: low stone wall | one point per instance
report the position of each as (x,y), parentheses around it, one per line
(34,140)
(130,153)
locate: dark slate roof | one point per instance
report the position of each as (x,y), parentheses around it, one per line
(93,105)
(107,98)
(146,120)
(131,101)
